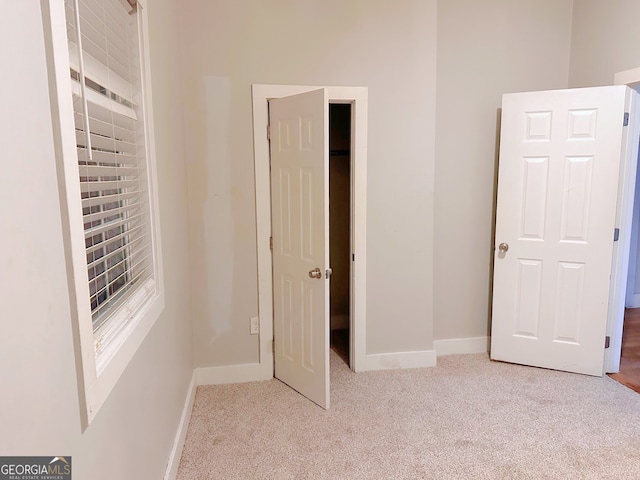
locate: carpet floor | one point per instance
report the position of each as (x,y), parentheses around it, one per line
(467,418)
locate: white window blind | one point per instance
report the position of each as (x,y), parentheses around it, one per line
(105,75)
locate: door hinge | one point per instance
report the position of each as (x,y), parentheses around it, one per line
(625,122)
(268,132)
(270,243)
(616,234)
(607,341)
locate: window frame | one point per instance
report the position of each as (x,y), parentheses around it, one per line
(101,357)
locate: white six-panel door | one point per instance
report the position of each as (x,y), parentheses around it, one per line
(560,154)
(300,212)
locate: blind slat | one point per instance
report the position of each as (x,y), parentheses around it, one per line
(139,278)
(106,157)
(105,126)
(92,218)
(100,73)
(104,101)
(108,199)
(111,226)
(108,144)
(141,273)
(89,187)
(132,232)
(136,254)
(137,246)
(103,171)
(121,122)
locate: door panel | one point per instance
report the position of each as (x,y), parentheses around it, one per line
(560,155)
(300,213)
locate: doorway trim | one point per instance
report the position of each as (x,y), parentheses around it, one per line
(631,78)
(624,219)
(358,98)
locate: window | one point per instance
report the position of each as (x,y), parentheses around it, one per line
(110,136)
(109,178)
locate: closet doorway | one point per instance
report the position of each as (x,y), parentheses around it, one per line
(340,226)
(289,116)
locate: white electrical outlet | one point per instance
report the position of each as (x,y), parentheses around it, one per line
(255,325)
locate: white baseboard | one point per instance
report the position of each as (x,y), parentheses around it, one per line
(249,372)
(633,301)
(181,433)
(391,361)
(254,372)
(461,346)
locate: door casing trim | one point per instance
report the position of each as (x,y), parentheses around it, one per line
(624,221)
(358,98)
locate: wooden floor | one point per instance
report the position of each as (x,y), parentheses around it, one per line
(630,362)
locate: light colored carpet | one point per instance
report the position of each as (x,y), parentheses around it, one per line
(466,418)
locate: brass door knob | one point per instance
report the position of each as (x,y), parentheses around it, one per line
(315,273)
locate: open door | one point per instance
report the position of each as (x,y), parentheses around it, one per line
(299,127)
(560,157)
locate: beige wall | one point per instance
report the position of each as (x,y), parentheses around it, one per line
(605,41)
(485,49)
(132,435)
(386,46)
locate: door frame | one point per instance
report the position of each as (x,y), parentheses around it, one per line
(631,78)
(624,220)
(358,98)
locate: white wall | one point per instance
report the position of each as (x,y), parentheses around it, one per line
(386,46)
(605,40)
(485,49)
(132,435)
